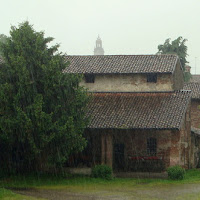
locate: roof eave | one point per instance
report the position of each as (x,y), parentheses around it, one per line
(115,128)
(118,73)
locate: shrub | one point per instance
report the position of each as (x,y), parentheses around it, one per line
(102,171)
(176,172)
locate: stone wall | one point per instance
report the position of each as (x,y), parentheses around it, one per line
(129,83)
(195,113)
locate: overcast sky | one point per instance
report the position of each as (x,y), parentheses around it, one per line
(125,26)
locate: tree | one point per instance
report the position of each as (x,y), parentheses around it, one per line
(42,109)
(178,47)
(3,39)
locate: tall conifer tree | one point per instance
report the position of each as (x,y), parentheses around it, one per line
(42,109)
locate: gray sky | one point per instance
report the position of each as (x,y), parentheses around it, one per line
(125,26)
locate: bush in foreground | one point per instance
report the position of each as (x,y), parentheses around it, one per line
(176,172)
(102,171)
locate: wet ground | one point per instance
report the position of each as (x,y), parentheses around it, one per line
(178,192)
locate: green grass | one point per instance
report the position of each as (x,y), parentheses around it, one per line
(86,185)
(8,195)
(54,182)
(95,186)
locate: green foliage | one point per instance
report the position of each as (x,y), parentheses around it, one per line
(42,109)
(102,171)
(187,76)
(178,47)
(3,39)
(176,172)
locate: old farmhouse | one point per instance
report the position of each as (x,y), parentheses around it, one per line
(140,115)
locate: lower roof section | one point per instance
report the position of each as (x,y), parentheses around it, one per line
(138,110)
(194,87)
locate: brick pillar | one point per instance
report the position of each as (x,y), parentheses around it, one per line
(103,149)
(109,150)
(175,148)
(106,149)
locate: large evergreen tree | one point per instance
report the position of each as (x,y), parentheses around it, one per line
(178,47)
(3,39)
(42,109)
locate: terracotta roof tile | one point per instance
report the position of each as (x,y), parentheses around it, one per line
(138,110)
(194,87)
(195,78)
(122,64)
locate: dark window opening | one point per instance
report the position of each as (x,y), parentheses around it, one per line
(151,146)
(152,78)
(89,78)
(119,156)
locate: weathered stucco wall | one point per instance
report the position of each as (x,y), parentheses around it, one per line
(195,113)
(129,83)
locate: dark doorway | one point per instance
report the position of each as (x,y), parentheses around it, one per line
(119,157)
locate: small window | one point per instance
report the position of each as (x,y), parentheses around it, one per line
(89,78)
(151,146)
(152,78)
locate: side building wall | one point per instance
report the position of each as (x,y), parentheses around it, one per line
(195,123)
(182,146)
(178,77)
(195,113)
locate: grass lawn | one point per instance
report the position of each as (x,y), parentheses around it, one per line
(53,182)
(8,195)
(87,185)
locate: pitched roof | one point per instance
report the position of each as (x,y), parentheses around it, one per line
(195,88)
(138,110)
(110,64)
(195,78)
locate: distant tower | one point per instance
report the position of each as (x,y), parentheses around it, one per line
(98,50)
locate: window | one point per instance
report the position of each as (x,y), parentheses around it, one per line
(89,78)
(151,146)
(152,78)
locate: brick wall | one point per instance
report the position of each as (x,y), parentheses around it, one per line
(135,143)
(195,113)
